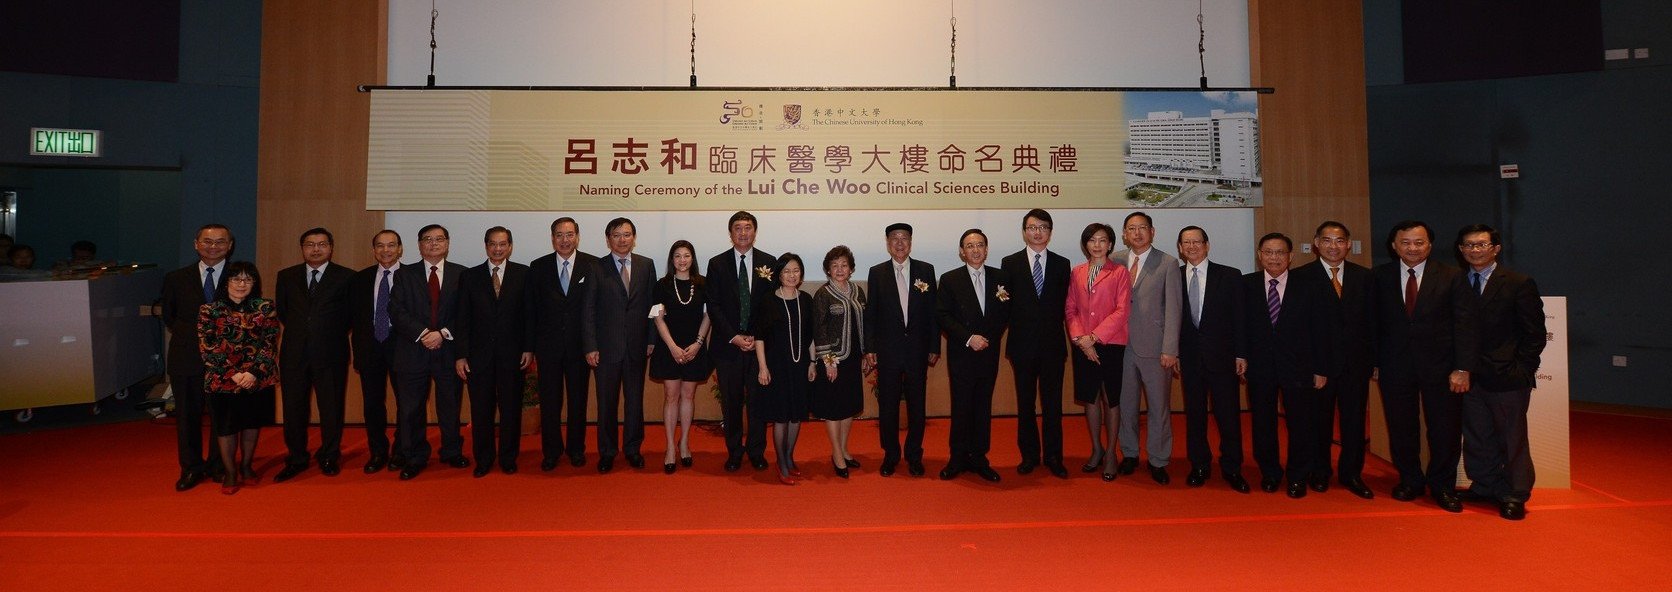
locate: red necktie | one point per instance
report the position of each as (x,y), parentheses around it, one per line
(1411,293)
(435,298)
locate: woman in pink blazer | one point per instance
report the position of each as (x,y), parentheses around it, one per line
(1099,292)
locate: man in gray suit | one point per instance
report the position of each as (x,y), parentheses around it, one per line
(616,335)
(1153,345)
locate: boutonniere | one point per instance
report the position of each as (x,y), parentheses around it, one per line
(1002,294)
(921,285)
(764,272)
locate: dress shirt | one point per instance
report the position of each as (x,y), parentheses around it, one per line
(202,268)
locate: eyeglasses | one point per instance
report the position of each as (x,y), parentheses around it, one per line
(1037,228)
(219,242)
(1476,246)
(1190,242)
(433,239)
(243,279)
(315,245)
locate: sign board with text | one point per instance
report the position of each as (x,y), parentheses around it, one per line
(64,142)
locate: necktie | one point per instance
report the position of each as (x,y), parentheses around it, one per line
(435,298)
(905,295)
(1274,304)
(1196,296)
(209,285)
(380,317)
(313,282)
(1411,293)
(563,277)
(626,274)
(1038,275)
(980,290)
(742,293)
(496,282)
(1335,279)
(1476,284)
(1136,265)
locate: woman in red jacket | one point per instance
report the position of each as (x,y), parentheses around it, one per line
(1099,296)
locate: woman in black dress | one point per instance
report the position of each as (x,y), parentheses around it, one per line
(839,344)
(681,361)
(238,336)
(785,356)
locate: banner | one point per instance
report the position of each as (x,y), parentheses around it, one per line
(627,150)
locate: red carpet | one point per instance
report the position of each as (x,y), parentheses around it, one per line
(94,508)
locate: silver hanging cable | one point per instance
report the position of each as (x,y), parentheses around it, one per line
(1201,44)
(952,79)
(693,43)
(433,14)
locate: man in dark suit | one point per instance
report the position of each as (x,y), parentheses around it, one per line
(1353,341)
(493,348)
(369,296)
(557,287)
(973,308)
(733,282)
(184,291)
(1426,343)
(616,333)
(1512,336)
(1288,334)
(424,303)
(1211,360)
(1037,344)
(312,301)
(900,323)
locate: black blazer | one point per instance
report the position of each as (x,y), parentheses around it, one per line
(615,320)
(493,329)
(182,296)
(1352,315)
(961,316)
(1512,332)
(409,311)
(315,325)
(724,307)
(1440,337)
(555,316)
(1297,347)
(887,333)
(1222,336)
(362,303)
(1036,320)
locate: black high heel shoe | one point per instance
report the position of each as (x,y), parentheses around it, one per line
(669,468)
(840,471)
(685,461)
(1092,463)
(852,464)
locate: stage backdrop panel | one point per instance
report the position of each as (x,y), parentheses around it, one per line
(727,149)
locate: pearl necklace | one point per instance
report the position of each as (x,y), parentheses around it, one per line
(688,297)
(795,342)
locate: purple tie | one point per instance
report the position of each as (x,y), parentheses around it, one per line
(1273,303)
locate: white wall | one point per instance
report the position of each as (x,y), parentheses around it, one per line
(1127,43)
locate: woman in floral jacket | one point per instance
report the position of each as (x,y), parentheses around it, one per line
(238,335)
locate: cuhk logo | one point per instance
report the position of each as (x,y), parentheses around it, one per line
(792,114)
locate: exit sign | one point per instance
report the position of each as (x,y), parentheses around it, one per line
(64,142)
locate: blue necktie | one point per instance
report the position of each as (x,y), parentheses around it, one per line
(1477,283)
(380,317)
(563,277)
(208,285)
(1038,275)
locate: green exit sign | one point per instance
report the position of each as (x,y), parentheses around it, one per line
(63,142)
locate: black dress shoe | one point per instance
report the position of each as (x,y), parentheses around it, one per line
(988,473)
(1297,489)
(1238,484)
(410,470)
(636,460)
(1128,465)
(605,464)
(1027,466)
(547,464)
(457,462)
(951,472)
(758,462)
(577,460)
(1318,483)
(733,464)
(669,468)
(1406,493)
(1470,496)
(1448,501)
(289,472)
(1159,474)
(508,468)
(397,461)
(685,461)
(1512,510)
(1196,478)
(1056,468)
(481,471)
(375,464)
(915,467)
(852,463)
(329,467)
(888,465)
(1358,488)
(1269,484)
(188,479)
(840,471)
